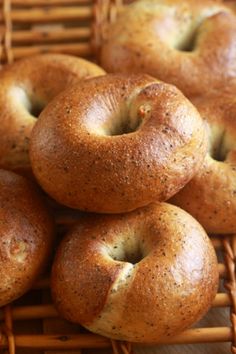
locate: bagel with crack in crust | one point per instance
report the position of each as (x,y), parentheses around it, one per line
(141,276)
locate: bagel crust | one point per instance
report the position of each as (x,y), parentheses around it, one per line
(25,88)
(116,143)
(26,236)
(211,195)
(141,276)
(188,43)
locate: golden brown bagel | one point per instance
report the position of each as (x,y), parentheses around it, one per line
(116,143)
(25,88)
(211,195)
(26,235)
(141,276)
(188,43)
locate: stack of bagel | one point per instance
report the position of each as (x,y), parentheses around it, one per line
(145,146)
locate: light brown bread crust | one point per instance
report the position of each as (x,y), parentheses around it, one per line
(25,88)
(231,4)
(211,195)
(141,276)
(188,43)
(116,143)
(26,236)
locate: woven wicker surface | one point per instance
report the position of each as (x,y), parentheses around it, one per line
(77,27)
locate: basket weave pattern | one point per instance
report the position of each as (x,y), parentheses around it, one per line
(73,27)
(77,27)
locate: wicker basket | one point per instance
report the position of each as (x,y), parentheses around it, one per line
(31,325)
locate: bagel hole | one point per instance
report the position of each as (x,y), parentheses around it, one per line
(127,121)
(129,253)
(36,108)
(189,44)
(33,105)
(125,127)
(188,47)
(219,151)
(218,155)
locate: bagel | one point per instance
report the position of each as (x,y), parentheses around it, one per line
(116,143)
(188,43)
(25,88)
(141,276)
(26,236)
(211,195)
(231,4)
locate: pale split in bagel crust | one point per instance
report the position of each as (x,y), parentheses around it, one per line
(116,143)
(26,238)
(141,276)
(188,43)
(211,195)
(25,89)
